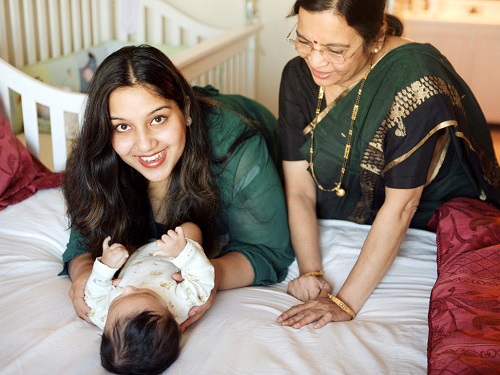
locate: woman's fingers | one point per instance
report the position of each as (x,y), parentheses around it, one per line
(320,310)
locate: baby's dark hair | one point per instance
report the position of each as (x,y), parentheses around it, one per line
(144,344)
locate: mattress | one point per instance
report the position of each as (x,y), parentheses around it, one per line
(41,333)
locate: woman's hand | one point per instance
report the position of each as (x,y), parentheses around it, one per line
(319,310)
(309,287)
(198,311)
(80,269)
(76,293)
(232,270)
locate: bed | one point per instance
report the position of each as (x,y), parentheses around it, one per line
(41,333)
(424,317)
(435,312)
(48,48)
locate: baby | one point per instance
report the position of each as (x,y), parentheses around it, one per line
(140,317)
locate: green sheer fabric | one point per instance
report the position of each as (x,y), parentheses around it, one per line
(252,216)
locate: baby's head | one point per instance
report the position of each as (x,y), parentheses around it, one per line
(140,335)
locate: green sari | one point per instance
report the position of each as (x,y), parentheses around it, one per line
(410,96)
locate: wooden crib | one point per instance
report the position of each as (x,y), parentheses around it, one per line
(38,31)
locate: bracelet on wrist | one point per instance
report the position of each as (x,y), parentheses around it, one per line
(342,305)
(313,273)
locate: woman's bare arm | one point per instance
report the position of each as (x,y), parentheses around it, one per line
(300,192)
(80,269)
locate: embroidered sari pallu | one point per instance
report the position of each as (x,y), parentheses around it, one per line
(409,106)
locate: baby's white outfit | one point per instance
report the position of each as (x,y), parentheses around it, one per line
(143,270)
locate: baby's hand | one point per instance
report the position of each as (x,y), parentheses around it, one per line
(113,256)
(171,244)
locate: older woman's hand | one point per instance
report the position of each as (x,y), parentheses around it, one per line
(319,310)
(309,287)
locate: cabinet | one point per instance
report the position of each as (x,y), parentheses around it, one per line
(474,50)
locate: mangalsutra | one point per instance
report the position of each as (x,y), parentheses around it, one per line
(338,186)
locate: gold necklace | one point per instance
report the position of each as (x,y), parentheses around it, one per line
(337,188)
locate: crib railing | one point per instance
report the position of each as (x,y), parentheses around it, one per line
(33,92)
(225,59)
(37,30)
(229,61)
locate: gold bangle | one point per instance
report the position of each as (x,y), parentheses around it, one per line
(342,305)
(313,273)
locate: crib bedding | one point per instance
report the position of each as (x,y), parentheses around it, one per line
(41,333)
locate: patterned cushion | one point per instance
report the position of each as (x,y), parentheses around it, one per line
(464,311)
(21,175)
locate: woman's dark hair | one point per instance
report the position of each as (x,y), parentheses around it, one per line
(145,344)
(367,17)
(105,196)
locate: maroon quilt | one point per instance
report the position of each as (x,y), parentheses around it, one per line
(464,311)
(21,175)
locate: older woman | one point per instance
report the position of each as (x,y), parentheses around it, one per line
(377,130)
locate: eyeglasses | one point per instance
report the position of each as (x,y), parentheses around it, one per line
(304,48)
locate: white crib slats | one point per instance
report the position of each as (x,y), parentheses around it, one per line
(86,20)
(142,23)
(5,93)
(58,135)
(29,28)
(53,26)
(4,49)
(189,38)
(43,32)
(15,13)
(65,30)
(120,32)
(154,27)
(215,52)
(30,123)
(76,24)
(101,14)
(251,66)
(174,36)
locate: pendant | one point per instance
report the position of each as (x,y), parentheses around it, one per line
(340,192)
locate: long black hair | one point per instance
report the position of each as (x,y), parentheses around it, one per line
(105,196)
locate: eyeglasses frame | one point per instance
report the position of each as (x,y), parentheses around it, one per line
(320,51)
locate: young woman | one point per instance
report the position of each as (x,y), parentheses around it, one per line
(153,154)
(374,129)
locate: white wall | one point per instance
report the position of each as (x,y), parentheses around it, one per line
(223,13)
(273,50)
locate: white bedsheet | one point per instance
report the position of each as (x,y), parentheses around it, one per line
(41,334)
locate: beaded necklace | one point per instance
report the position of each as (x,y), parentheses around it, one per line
(337,188)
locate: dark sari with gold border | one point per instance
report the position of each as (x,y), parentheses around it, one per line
(411,96)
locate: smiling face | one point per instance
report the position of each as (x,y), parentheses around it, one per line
(149,132)
(329,31)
